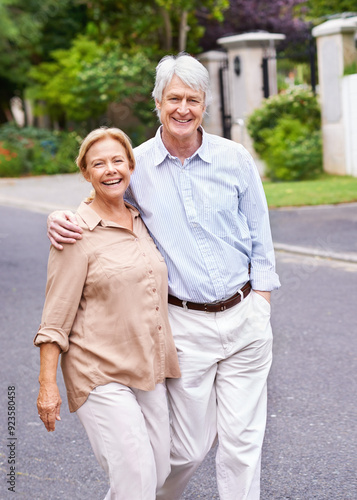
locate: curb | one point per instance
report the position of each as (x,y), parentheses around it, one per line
(46,208)
(33,206)
(313,252)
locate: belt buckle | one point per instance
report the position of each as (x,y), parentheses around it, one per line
(184,304)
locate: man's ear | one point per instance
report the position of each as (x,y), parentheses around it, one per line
(157,104)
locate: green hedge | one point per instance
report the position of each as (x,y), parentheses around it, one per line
(33,151)
(286,132)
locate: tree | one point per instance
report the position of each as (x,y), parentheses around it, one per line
(319,10)
(162,24)
(34,32)
(29,31)
(181,16)
(80,82)
(275,16)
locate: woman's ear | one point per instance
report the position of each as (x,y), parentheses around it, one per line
(86,175)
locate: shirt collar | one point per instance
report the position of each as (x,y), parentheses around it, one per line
(161,152)
(92,219)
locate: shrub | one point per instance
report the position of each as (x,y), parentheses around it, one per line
(11,160)
(286,133)
(39,151)
(293,151)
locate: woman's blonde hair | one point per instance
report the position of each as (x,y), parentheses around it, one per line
(104,133)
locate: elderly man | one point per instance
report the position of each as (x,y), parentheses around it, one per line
(202,199)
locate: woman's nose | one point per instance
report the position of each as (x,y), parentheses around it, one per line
(111,167)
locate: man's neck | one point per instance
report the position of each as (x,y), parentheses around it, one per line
(182,149)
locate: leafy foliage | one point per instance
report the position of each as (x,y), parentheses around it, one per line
(278,16)
(319,10)
(286,133)
(80,82)
(36,151)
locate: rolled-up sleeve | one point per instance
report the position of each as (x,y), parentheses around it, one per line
(66,276)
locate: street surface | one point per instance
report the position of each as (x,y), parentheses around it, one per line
(310,446)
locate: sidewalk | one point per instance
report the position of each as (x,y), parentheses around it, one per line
(328,231)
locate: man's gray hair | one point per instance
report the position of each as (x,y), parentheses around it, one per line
(188,69)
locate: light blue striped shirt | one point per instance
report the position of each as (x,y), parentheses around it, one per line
(208,217)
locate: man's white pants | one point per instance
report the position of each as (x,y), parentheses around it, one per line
(129,433)
(225,359)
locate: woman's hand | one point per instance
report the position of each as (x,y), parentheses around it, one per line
(48,404)
(62,227)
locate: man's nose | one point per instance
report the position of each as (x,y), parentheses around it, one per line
(183,107)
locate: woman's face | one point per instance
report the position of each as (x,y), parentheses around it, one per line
(108,169)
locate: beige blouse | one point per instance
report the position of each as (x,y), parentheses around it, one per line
(106,308)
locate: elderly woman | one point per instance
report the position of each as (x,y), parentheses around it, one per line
(106,314)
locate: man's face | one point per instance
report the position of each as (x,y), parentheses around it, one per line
(181,110)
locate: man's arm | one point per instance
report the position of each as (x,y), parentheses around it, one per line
(254,206)
(62,227)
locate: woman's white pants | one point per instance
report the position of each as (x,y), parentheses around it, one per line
(225,359)
(129,433)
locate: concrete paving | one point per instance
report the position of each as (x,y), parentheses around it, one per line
(327,231)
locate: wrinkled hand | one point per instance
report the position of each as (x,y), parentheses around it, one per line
(62,227)
(48,405)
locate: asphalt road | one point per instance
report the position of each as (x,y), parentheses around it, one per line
(310,446)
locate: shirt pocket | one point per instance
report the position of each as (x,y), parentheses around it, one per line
(116,259)
(221,214)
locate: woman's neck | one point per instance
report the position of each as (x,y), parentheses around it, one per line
(114,211)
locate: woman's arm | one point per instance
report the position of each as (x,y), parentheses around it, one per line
(49,400)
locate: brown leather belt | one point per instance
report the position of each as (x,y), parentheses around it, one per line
(216,306)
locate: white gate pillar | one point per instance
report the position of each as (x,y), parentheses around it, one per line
(213,61)
(245,55)
(336,49)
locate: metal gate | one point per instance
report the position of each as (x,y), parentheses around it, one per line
(224,89)
(309,55)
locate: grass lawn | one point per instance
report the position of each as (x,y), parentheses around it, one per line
(326,190)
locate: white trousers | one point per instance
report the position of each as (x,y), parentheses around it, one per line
(130,436)
(225,359)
